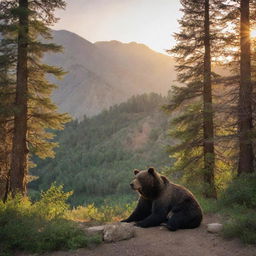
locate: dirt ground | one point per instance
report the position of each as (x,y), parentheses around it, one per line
(158,241)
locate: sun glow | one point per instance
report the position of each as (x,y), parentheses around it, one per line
(253,33)
(149,22)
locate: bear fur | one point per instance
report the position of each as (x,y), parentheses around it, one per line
(162,201)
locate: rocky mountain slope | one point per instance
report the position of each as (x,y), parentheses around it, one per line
(106,73)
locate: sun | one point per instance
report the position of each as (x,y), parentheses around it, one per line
(253,33)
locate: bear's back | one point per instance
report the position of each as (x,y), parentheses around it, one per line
(175,194)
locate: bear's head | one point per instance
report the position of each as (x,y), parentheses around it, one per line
(148,183)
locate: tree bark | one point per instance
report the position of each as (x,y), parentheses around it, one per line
(245,125)
(4,160)
(20,151)
(209,155)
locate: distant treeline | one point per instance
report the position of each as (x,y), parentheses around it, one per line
(95,157)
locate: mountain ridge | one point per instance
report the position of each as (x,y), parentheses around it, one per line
(106,73)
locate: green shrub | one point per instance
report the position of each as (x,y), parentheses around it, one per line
(242,225)
(242,191)
(41,226)
(101,214)
(64,234)
(238,204)
(53,202)
(208,205)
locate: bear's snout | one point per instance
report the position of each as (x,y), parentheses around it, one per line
(135,185)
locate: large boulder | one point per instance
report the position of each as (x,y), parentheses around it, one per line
(118,231)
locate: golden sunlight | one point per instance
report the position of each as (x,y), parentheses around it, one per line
(253,33)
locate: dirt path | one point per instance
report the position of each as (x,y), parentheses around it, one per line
(160,242)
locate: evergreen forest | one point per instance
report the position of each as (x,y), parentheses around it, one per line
(96,157)
(59,175)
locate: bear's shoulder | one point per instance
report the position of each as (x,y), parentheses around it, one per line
(178,191)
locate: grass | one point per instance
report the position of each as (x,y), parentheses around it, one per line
(102,214)
(41,226)
(238,204)
(241,224)
(208,205)
(48,224)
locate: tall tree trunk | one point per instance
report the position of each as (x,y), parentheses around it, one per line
(245,92)
(20,151)
(5,141)
(209,157)
(4,159)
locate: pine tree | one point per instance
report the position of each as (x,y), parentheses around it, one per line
(245,122)
(34,113)
(239,16)
(194,124)
(7,92)
(208,130)
(20,150)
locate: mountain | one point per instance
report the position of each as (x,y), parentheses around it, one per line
(106,73)
(96,156)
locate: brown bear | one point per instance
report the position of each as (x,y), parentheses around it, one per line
(162,201)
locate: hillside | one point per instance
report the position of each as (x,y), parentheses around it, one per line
(96,157)
(106,73)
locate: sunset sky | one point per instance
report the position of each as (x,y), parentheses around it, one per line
(151,22)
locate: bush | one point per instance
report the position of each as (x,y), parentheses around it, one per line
(53,202)
(242,191)
(238,204)
(208,205)
(242,225)
(102,214)
(41,226)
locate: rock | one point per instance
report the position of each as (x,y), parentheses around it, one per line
(118,231)
(97,230)
(113,232)
(214,227)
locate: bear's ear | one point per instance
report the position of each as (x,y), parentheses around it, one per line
(136,171)
(165,180)
(151,171)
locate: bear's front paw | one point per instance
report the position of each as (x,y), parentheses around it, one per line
(126,220)
(140,224)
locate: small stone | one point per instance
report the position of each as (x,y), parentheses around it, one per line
(214,227)
(118,231)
